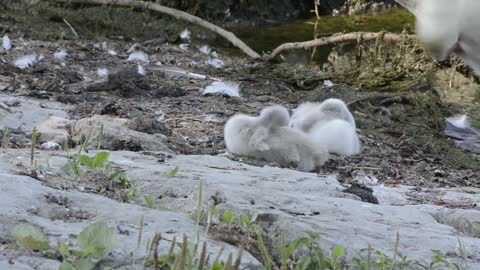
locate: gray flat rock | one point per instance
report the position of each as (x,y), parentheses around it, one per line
(25,200)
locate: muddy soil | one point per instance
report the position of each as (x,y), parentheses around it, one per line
(401,130)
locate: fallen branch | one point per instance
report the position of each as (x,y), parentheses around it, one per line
(336,39)
(174,13)
(71,28)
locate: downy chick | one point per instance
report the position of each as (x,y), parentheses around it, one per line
(268,137)
(309,113)
(329,124)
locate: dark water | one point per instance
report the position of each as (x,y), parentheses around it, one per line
(265,39)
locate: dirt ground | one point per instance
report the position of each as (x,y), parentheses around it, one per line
(401,131)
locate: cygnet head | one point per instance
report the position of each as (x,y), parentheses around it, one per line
(301,113)
(275,115)
(334,105)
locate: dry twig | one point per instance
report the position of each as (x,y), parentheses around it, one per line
(354,36)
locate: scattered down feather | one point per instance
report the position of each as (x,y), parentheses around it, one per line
(231,89)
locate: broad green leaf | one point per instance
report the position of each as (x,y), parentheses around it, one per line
(65,266)
(85,160)
(86,264)
(30,237)
(228,216)
(99,159)
(338,251)
(64,250)
(97,239)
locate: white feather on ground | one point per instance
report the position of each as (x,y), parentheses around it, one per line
(102,72)
(51,146)
(141,70)
(205,49)
(183,46)
(112,52)
(231,89)
(460,121)
(60,55)
(367,180)
(7,44)
(138,56)
(185,34)
(215,62)
(328,83)
(26,61)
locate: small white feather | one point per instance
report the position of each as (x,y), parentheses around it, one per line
(102,72)
(185,34)
(7,44)
(26,61)
(138,56)
(460,121)
(183,46)
(223,88)
(112,52)
(368,180)
(205,49)
(60,55)
(141,70)
(51,146)
(328,83)
(215,62)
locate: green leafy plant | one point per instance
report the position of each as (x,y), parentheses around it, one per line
(93,244)
(228,216)
(242,219)
(94,162)
(377,260)
(29,237)
(72,167)
(190,257)
(315,257)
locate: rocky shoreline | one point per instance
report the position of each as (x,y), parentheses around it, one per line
(164,139)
